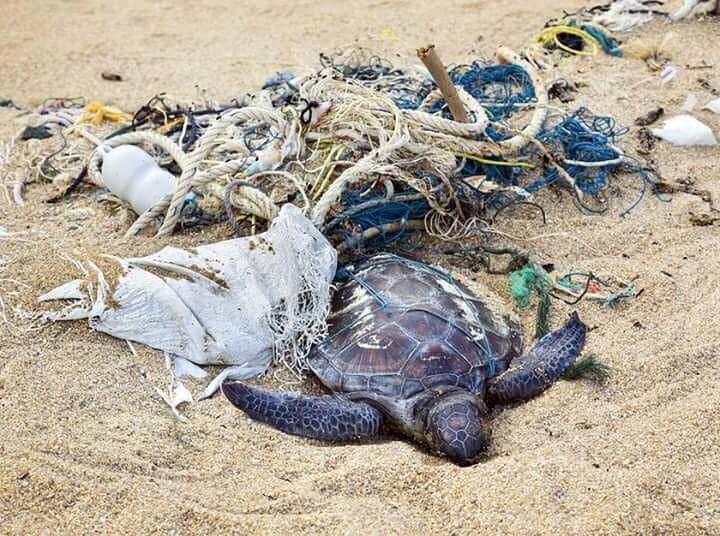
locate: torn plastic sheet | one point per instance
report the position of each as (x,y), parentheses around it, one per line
(240,302)
(183,368)
(176,393)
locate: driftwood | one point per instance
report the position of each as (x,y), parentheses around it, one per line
(432,61)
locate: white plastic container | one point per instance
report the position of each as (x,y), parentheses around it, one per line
(132,175)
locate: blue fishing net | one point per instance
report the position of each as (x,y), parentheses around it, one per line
(503,91)
(581,136)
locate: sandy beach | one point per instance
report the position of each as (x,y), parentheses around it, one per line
(86,445)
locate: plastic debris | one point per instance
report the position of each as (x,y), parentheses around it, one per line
(278,79)
(183,368)
(35,133)
(111,77)
(685,130)
(176,393)
(239,302)
(96,112)
(694,8)
(387,33)
(713,106)
(521,284)
(690,103)
(132,175)
(668,74)
(624,15)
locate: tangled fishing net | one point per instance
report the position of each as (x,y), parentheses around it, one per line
(363,151)
(366,150)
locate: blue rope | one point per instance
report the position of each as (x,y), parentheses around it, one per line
(583,137)
(499,88)
(610,45)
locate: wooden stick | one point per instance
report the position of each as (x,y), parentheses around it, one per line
(432,61)
(372,232)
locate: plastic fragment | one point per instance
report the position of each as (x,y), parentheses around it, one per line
(690,103)
(624,15)
(713,106)
(521,283)
(111,77)
(72,290)
(240,372)
(183,368)
(685,130)
(35,133)
(177,394)
(693,8)
(278,78)
(668,74)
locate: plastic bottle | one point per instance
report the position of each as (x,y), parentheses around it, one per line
(134,176)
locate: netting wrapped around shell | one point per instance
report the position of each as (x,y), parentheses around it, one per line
(381,292)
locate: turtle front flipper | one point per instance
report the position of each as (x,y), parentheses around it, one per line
(326,417)
(542,365)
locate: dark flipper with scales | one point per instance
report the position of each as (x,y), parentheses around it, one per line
(535,371)
(329,418)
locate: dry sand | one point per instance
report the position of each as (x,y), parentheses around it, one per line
(86,445)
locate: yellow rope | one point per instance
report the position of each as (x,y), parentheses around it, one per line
(96,112)
(496,162)
(170,124)
(550,36)
(334,155)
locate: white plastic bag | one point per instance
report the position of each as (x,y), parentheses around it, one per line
(685,130)
(239,302)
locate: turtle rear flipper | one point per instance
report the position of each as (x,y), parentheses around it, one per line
(326,417)
(542,365)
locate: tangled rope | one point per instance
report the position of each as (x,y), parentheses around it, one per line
(191,176)
(365,148)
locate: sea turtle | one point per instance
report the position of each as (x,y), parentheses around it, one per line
(410,348)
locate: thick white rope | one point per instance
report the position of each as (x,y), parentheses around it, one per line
(399,140)
(189,163)
(437,140)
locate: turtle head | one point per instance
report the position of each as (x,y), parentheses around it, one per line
(454,426)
